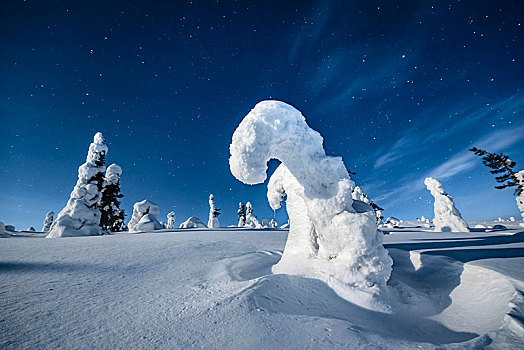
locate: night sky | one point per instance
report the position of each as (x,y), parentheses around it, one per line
(399,89)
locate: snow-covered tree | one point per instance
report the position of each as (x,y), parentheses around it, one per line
(251,220)
(331,237)
(49,217)
(241,214)
(214,212)
(145,217)
(447,217)
(170,220)
(193,222)
(81,216)
(501,164)
(112,216)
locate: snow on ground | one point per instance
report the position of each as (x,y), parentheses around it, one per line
(213,289)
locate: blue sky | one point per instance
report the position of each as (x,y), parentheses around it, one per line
(400,90)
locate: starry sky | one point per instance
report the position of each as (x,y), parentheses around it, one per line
(399,89)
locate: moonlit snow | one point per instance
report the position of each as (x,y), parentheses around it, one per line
(81,217)
(447,216)
(145,217)
(332,238)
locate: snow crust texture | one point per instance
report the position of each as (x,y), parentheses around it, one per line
(145,217)
(81,217)
(331,238)
(447,216)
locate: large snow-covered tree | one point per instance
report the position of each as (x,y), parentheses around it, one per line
(48,221)
(81,216)
(330,238)
(447,217)
(112,216)
(506,175)
(214,212)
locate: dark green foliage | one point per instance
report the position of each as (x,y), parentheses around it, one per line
(501,164)
(112,218)
(375,206)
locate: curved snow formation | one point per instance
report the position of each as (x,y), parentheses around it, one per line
(447,217)
(329,239)
(145,217)
(81,217)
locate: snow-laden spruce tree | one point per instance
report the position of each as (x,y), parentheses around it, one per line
(251,220)
(447,217)
(48,221)
(241,214)
(502,165)
(145,217)
(81,216)
(214,212)
(170,220)
(112,216)
(331,237)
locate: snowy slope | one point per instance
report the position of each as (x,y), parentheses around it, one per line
(201,288)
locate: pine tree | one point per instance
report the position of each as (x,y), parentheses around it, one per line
(112,216)
(501,164)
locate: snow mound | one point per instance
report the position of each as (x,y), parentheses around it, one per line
(81,217)
(328,238)
(145,217)
(447,216)
(193,222)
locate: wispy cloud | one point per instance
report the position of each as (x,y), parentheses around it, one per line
(412,184)
(427,136)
